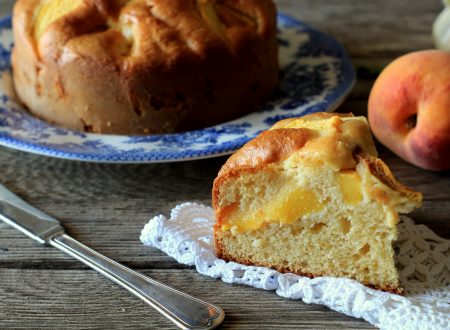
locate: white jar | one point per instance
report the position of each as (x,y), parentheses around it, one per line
(441,28)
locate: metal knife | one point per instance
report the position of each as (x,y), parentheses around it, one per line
(185,311)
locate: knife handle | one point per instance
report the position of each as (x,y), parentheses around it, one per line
(185,311)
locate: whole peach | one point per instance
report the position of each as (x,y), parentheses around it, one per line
(409,108)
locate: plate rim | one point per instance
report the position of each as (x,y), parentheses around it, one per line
(338,95)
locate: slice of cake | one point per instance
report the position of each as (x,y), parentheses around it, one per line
(310,196)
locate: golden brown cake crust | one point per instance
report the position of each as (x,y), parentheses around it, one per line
(279,143)
(271,146)
(138,67)
(275,144)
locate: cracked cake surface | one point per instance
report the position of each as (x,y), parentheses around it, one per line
(143,66)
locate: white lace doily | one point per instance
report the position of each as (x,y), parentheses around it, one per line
(423,263)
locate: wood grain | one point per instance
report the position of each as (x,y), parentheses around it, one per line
(62,299)
(106,206)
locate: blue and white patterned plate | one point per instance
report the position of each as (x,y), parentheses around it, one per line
(317,75)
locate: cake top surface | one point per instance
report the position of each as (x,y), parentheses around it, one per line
(339,141)
(156,28)
(320,137)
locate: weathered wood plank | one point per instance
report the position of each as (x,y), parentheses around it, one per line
(62,299)
(375,31)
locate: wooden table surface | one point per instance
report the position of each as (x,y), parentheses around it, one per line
(106,206)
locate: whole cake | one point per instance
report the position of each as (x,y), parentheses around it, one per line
(143,66)
(310,196)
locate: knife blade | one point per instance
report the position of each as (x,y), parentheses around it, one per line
(185,311)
